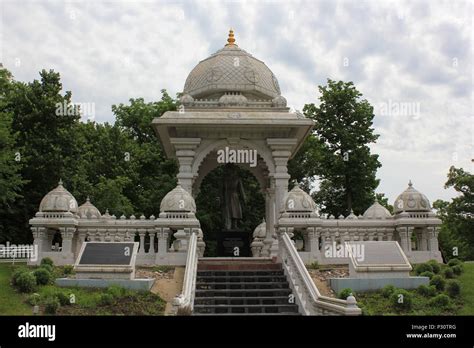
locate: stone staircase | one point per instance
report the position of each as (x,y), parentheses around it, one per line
(242,286)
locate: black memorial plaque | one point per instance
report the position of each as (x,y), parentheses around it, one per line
(227,241)
(107,254)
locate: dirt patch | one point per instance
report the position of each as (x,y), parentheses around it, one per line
(168,283)
(321,278)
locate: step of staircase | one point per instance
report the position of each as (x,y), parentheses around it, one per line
(242,286)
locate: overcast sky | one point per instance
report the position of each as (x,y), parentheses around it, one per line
(411,59)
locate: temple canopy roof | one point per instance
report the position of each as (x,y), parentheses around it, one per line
(411,200)
(232,77)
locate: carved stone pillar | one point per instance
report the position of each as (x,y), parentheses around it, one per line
(151,233)
(141,233)
(67,233)
(185,153)
(163,234)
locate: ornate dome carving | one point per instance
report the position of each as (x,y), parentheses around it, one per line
(231,69)
(260,231)
(178,200)
(299,201)
(411,200)
(377,211)
(279,102)
(233,99)
(89,211)
(58,200)
(186,100)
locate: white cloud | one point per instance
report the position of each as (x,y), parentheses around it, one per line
(398,52)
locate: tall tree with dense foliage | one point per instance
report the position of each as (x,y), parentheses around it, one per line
(341,155)
(10,160)
(457,231)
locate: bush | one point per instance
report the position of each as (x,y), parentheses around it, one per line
(47,267)
(33,299)
(454,262)
(68,269)
(345,293)
(26,282)
(438,282)
(448,273)
(453,288)
(63,299)
(47,261)
(401,299)
(458,269)
(423,267)
(440,301)
(51,306)
(427,274)
(427,291)
(388,290)
(16,274)
(43,276)
(106,299)
(313,265)
(435,265)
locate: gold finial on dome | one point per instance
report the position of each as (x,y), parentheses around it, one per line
(231,39)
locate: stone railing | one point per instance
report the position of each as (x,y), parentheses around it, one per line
(184,302)
(309,299)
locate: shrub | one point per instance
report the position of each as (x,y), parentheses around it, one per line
(423,267)
(51,306)
(16,274)
(427,291)
(33,299)
(453,288)
(438,282)
(454,262)
(26,282)
(106,299)
(435,265)
(43,276)
(344,294)
(388,290)
(427,274)
(401,299)
(458,269)
(63,299)
(47,267)
(68,269)
(440,301)
(448,273)
(47,261)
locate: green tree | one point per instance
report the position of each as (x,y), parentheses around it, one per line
(457,216)
(11,182)
(343,130)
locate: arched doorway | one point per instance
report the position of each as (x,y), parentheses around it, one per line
(225,233)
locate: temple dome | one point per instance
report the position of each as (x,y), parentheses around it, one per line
(299,201)
(411,200)
(260,231)
(377,211)
(231,69)
(88,210)
(58,200)
(178,200)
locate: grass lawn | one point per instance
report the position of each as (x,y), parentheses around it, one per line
(467,289)
(11,302)
(87,301)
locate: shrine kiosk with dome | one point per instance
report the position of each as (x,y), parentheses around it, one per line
(232,99)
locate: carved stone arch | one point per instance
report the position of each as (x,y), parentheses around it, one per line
(205,149)
(260,172)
